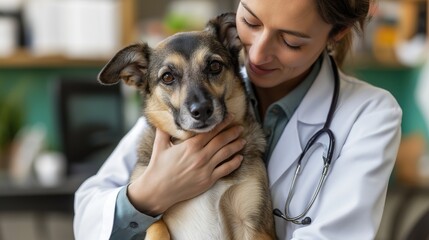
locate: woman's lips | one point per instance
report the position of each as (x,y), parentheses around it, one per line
(258,70)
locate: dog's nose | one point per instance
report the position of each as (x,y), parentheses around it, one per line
(201,110)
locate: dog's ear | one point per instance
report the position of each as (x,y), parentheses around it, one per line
(225,29)
(129,64)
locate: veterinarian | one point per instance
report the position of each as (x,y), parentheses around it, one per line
(293,85)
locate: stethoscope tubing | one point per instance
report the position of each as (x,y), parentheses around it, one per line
(327,160)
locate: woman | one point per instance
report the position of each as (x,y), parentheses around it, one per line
(292,80)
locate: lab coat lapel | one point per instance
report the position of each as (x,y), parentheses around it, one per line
(314,107)
(287,149)
(307,119)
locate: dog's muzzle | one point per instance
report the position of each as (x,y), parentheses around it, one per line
(201,111)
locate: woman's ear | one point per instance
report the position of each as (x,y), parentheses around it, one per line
(343,32)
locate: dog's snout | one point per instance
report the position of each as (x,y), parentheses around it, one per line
(201,110)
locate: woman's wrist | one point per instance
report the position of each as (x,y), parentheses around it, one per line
(145,200)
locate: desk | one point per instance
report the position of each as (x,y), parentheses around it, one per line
(407,195)
(38,198)
(34,197)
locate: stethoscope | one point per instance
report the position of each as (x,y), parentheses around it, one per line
(301,219)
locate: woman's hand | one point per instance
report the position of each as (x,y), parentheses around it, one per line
(183,171)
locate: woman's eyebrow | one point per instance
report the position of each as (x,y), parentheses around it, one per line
(295,33)
(248,9)
(290,32)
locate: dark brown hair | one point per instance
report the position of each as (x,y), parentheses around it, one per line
(343,14)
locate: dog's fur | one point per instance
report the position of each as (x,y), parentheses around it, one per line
(189,83)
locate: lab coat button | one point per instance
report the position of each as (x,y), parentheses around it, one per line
(134,225)
(276,110)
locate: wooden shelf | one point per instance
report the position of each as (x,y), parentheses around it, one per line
(23,58)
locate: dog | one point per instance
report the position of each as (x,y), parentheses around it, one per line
(189,83)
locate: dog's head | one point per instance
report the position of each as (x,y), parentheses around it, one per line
(189,82)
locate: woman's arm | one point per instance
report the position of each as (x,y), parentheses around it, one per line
(175,173)
(95,200)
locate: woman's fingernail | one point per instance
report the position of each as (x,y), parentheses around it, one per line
(240,128)
(231,116)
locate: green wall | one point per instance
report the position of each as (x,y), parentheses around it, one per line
(32,90)
(401,82)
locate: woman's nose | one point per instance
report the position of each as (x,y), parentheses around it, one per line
(261,51)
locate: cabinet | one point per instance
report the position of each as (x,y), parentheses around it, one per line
(131,15)
(28,81)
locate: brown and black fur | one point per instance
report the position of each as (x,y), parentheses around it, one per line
(190,82)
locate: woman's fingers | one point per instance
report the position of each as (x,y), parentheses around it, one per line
(187,169)
(162,140)
(224,138)
(227,167)
(227,151)
(203,139)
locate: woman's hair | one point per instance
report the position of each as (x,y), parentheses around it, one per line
(342,14)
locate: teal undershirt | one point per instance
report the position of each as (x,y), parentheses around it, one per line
(280,112)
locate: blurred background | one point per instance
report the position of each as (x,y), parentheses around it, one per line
(58,125)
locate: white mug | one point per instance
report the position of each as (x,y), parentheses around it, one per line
(50,168)
(8,33)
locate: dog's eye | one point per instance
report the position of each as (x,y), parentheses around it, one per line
(215,67)
(167,78)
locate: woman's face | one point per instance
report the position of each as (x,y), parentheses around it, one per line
(281,38)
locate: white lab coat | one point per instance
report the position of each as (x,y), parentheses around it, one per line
(366,125)
(367,130)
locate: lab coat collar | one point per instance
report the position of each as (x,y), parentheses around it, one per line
(315,105)
(312,111)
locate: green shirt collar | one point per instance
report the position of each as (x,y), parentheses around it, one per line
(290,102)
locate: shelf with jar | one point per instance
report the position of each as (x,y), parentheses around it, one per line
(24,58)
(66,33)
(397,36)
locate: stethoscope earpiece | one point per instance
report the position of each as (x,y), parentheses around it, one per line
(279,213)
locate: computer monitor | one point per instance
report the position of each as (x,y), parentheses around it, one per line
(91,122)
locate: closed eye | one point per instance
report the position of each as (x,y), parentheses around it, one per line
(292,47)
(248,23)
